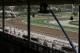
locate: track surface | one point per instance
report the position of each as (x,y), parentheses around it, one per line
(43,30)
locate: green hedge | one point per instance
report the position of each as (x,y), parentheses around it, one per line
(74,23)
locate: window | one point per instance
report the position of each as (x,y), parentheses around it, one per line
(42,24)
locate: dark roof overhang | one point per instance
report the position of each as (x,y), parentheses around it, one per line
(34,2)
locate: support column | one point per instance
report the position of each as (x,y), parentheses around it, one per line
(28,22)
(3,16)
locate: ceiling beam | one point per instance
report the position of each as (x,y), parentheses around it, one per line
(36,2)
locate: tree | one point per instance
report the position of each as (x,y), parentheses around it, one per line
(71,18)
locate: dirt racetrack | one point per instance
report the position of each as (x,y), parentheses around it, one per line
(55,33)
(43,30)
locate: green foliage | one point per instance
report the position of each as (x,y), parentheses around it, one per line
(75,14)
(59,9)
(74,23)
